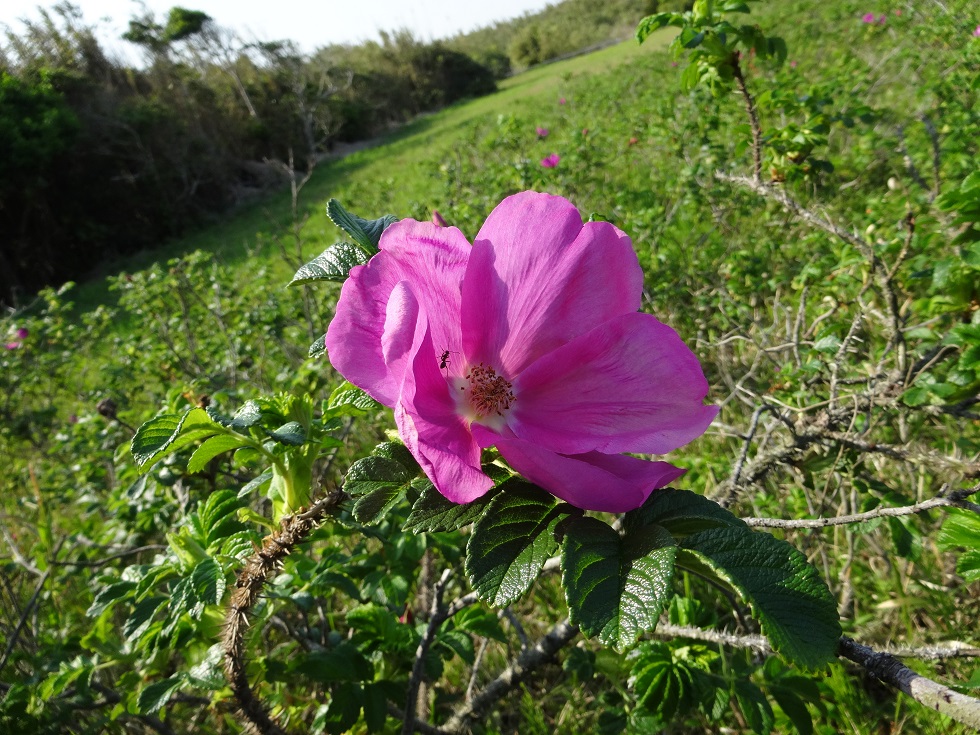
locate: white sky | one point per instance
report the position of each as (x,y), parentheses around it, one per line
(311,23)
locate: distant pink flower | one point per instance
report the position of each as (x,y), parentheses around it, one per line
(898,12)
(976,32)
(585,132)
(792,65)
(73,419)
(22,333)
(883,19)
(542,132)
(438,220)
(561,100)
(634,141)
(673,63)
(868,18)
(554,365)
(12,345)
(550,161)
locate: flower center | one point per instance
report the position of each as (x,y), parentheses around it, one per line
(489,394)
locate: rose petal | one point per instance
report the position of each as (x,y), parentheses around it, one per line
(612,483)
(630,385)
(432,260)
(537,278)
(425,412)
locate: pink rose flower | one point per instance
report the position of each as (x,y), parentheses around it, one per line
(542,132)
(11,345)
(868,18)
(550,161)
(22,333)
(552,362)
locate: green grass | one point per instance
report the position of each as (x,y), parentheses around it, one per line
(395,158)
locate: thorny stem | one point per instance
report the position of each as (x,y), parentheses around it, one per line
(753,117)
(258,569)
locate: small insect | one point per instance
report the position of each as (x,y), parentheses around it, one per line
(444,360)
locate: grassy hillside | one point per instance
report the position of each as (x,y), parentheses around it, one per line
(833,304)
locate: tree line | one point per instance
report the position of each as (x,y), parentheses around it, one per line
(102,158)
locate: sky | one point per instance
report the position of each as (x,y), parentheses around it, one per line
(311,23)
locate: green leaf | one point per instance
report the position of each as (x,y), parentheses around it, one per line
(616,587)
(333,264)
(208,582)
(291,433)
(755,707)
(433,512)
(208,674)
(348,399)
(788,598)
(681,512)
(366,233)
(142,615)
(156,695)
(340,663)
(794,708)
(210,449)
(318,348)
(372,473)
(511,542)
(165,434)
(109,596)
(660,683)
(373,506)
(652,23)
(247,416)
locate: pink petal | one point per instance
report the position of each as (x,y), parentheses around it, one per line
(537,278)
(425,411)
(612,483)
(432,260)
(629,385)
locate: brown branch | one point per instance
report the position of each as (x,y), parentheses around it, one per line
(438,614)
(258,569)
(887,512)
(893,672)
(526,662)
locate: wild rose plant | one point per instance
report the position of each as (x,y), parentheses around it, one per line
(529,340)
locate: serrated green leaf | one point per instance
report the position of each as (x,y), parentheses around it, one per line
(660,683)
(366,233)
(156,695)
(681,512)
(371,507)
(432,512)
(255,483)
(788,598)
(348,399)
(511,542)
(291,433)
(616,587)
(333,264)
(373,473)
(210,449)
(165,434)
(208,582)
